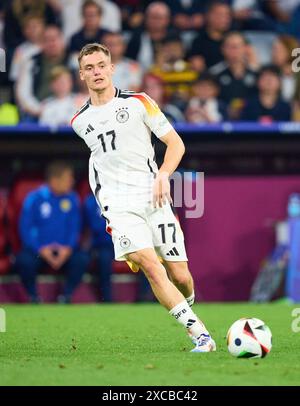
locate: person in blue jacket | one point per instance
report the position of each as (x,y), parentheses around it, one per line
(101,245)
(50,226)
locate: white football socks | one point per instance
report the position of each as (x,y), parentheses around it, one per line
(185,316)
(191,299)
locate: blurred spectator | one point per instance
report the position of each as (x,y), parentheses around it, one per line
(33,86)
(236,78)
(17,11)
(144,44)
(58,109)
(2,7)
(4,82)
(132,13)
(154,87)
(187,14)
(294,26)
(174,71)
(50,226)
(268,106)
(283,59)
(33,28)
(102,246)
(91,29)
(82,94)
(249,15)
(251,56)
(72,16)
(8,114)
(128,73)
(205,107)
(111,19)
(296,101)
(206,47)
(281,10)
(285,15)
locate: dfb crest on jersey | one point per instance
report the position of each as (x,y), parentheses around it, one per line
(124,241)
(122,115)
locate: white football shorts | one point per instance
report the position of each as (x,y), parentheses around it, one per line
(148,227)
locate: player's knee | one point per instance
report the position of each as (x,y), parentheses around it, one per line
(183,280)
(151,267)
(156,277)
(145,260)
(182,277)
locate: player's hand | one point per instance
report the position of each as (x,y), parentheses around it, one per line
(161,189)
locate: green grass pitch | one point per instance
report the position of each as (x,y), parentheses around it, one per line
(139,345)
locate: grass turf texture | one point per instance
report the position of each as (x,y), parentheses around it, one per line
(138,345)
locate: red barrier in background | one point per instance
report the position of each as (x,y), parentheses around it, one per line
(226,246)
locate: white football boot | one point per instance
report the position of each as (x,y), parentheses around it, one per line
(194,338)
(204,344)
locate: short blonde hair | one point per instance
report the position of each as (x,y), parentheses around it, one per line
(91,48)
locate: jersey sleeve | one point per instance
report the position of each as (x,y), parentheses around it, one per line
(154,117)
(77,122)
(76,126)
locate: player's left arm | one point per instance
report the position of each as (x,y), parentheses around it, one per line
(174,152)
(173,155)
(160,126)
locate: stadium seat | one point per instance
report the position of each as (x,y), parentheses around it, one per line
(4,258)
(3,233)
(4,264)
(16,197)
(83,189)
(120,267)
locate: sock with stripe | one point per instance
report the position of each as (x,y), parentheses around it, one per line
(191,299)
(185,316)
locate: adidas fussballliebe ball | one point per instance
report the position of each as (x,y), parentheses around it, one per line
(249,338)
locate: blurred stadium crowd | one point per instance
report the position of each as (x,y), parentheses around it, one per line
(200,60)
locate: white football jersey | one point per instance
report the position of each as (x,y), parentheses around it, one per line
(122,163)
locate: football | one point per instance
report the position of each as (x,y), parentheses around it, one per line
(249,338)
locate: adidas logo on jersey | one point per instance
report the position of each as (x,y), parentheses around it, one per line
(172,252)
(89,129)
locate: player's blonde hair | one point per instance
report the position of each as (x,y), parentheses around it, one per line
(91,48)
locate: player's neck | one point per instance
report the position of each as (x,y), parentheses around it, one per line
(102,97)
